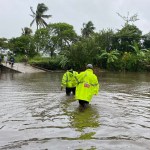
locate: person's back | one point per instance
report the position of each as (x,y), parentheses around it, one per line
(87,86)
(12,60)
(69,81)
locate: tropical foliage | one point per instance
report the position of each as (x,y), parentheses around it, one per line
(88,29)
(3,43)
(125,49)
(26,31)
(109,57)
(55,38)
(23,45)
(39,16)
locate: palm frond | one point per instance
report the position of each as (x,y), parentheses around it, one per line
(32,22)
(39,15)
(44,22)
(32,10)
(32,16)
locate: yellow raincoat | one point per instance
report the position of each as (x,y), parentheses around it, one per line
(68,79)
(87,85)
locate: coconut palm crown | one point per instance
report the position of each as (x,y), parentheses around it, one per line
(39,15)
(88,29)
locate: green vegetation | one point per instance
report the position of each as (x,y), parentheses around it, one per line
(124,50)
(39,16)
(46,62)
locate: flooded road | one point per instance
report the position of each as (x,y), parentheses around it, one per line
(36,115)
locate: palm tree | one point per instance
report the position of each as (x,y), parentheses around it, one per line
(88,29)
(39,15)
(26,31)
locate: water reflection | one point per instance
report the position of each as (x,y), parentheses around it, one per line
(85,121)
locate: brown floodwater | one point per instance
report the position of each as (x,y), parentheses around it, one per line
(36,115)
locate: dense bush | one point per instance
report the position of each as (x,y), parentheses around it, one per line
(46,63)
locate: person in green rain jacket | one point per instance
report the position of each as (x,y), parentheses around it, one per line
(87,86)
(69,81)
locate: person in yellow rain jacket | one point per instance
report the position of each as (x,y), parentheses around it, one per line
(87,86)
(69,81)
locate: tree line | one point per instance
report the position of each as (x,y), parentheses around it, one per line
(124,50)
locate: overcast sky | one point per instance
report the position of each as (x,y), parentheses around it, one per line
(15,14)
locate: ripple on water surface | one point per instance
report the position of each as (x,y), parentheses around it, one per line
(35,114)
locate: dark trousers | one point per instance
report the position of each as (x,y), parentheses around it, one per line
(69,90)
(83,103)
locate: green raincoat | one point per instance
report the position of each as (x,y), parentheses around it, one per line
(87,85)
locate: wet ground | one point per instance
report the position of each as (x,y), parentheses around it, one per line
(21,67)
(36,115)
